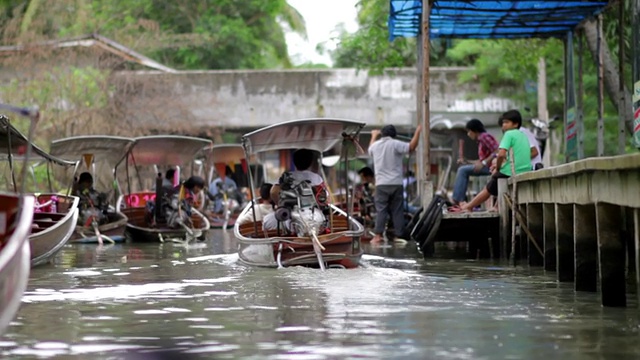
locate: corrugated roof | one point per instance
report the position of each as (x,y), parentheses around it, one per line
(491,19)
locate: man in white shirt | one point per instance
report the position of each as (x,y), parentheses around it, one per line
(388,154)
(536,160)
(263,206)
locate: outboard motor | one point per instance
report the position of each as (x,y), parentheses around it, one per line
(297,204)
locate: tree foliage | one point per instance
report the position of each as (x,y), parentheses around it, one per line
(369,47)
(185,34)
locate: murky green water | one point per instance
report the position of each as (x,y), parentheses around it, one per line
(163,301)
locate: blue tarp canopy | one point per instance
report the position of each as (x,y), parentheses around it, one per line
(491,19)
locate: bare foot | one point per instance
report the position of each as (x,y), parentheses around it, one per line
(376,239)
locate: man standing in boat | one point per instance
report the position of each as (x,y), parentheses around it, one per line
(387,154)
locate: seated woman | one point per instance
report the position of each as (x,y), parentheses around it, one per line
(264,206)
(176,205)
(93,204)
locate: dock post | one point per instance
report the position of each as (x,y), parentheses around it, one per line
(505,226)
(586,248)
(549,224)
(611,252)
(636,231)
(523,241)
(564,242)
(536,226)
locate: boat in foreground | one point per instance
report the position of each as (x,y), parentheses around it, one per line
(55,216)
(339,244)
(16,213)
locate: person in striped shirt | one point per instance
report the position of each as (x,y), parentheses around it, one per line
(487,149)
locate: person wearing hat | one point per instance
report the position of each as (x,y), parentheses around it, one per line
(387,154)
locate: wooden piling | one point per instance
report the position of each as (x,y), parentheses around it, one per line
(564,242)
(586,248)
(536,226)
(505,226)
(611,255)
(636,231)
(549,224)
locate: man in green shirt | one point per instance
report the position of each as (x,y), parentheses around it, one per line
(514,139)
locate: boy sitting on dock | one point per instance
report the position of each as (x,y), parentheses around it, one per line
(513,139)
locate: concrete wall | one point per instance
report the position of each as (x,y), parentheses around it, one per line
(250,99)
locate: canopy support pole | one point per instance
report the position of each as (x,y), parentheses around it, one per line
(571,119)
(580,101)
(600,69)
(635,69)
(622,129)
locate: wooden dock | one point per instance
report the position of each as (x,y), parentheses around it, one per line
(585,218)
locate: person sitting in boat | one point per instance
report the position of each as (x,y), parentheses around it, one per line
(302,160)
(177,204)
(167,182)
(365,192)
(93,204)
(219,187)
(264,206)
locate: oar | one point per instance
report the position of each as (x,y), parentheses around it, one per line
(317,247)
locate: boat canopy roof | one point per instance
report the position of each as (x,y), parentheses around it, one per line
(101,148)
(166,149)
(226,153)
(14,142)
(320,134)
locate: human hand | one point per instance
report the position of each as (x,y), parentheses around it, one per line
(375,133)
(461,161)
(419,128)
(477,166)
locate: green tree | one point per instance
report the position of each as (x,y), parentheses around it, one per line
(185,34)
(369,47)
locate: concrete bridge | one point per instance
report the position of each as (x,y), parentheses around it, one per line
(251,99)
(584,216)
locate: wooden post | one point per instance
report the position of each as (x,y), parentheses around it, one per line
(564,242)
(600,70)
(543,113)
(636,232)
(427,188)
(536,226)
(549,223)
(611,255)
(585,239)
(505,228)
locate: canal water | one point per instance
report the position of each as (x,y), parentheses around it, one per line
(165,301)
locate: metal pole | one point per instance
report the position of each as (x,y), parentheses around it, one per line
(600,69)
(621,92)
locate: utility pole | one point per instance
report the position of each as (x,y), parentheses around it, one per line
(427,186)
